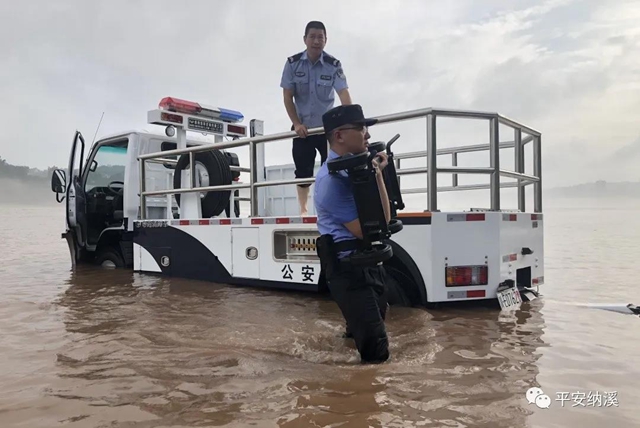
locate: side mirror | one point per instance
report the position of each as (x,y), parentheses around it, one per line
(58,181)
(93,166)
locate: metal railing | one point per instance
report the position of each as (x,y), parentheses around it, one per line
(432,170)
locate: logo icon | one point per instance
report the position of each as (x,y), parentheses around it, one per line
(165,261)
(536,396)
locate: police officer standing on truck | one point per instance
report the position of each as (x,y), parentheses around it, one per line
(308,81)
(360,291)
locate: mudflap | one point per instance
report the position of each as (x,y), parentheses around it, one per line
(73,250)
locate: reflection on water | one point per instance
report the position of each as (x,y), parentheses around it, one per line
(175,352)
(91,347)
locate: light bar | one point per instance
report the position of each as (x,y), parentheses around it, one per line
(231,115)
(208,111)
(189,107)
(179,106)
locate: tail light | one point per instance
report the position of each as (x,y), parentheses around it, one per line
(460,276)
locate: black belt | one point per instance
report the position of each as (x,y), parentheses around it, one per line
(348,245)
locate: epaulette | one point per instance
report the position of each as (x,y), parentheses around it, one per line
(295,58)
(330,59)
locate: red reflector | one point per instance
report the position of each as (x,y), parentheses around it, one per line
(513,217)
(475,217)
(225,221)
(257,221)
(184,222)
(178,105)
(237,129)
(175,118)
(461,276)
(282,220)
(475,293)
(309,219)
(513,257)
(536,216)
(203,222)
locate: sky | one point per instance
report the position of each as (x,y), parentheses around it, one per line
(568,68)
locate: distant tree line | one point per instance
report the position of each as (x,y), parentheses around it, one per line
(24,173)
(102,175)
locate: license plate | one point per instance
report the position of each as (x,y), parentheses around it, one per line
(509,298)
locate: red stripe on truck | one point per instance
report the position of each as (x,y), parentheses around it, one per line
(475,217)
(475,293)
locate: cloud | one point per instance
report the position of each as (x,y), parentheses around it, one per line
(564,67)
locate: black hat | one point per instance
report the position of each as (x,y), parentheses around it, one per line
(345,115)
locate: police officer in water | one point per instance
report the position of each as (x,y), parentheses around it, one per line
(360,292)
(308,81)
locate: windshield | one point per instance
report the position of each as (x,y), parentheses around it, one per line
(108,166)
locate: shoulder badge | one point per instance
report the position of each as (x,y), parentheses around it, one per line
(295,58)
(330,59)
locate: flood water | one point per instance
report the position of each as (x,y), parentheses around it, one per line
(96,348)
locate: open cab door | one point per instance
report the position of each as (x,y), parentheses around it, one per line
(68,184)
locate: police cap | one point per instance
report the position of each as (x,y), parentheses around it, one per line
(345,115)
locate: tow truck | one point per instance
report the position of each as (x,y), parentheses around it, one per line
(168,203)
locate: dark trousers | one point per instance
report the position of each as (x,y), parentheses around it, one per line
(304,154)
(361,295)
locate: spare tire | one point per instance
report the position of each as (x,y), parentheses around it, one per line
(216,164)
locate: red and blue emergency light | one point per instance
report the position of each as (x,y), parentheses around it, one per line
(189,107)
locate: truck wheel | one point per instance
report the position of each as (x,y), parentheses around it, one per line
(217,166)
(109,257)
(396,295)
(407,277)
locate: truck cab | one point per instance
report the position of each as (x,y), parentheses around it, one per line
(102,193)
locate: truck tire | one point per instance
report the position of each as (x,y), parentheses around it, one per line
(217,165)
(396,295)
(406,276)
(109,257)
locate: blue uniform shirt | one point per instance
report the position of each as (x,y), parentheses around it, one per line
(334,202)
(313,85)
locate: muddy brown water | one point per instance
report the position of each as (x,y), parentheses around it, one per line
(102,348)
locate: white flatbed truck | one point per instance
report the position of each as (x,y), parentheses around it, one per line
(167,204)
